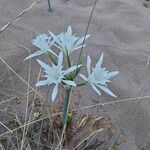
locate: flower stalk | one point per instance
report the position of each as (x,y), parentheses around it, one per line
(67,93)
(50,5)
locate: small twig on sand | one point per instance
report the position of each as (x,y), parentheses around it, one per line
(22,13)
(148,61)
(88,137)
(6,127)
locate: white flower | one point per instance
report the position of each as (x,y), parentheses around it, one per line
(44,43)
(68,42)
(55,74)
(99,76)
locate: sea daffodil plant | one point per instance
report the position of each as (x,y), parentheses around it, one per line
(55,73)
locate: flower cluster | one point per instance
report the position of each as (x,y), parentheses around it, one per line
(55,74)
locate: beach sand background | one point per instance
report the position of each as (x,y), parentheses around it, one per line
(119,28)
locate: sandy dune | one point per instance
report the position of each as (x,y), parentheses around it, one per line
(119,28)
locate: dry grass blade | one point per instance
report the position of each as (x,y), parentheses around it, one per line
(59,146)
(22,13)
(90,140)
(13,145)
(17,119)
(82,122)
(32,105)
(92,134)
(8,100)
(20,127)
(2,147)
(6,127)
(28,147)
(148,61)
(27,103)
(111,103)
(20,77)
(50,147)
(59,113)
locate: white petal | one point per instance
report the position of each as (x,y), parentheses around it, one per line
(58,47)
(69,30)
(99,63)
(72,83)
(80,41)
(52,53)
(88,64)
(43,65)
(95,89)
(40,39)
(60,58)
(55,38)
(112,74)
(105,89)
(71,69)
(37,53)
(54,93)
(75,48)
(41,83)
(83,77)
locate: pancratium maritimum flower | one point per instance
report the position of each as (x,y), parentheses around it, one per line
(68,42)
(44,43)
(55,74)
(99,76)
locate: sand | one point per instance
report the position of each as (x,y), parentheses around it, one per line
(119,28)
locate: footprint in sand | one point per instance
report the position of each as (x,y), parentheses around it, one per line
(146,3)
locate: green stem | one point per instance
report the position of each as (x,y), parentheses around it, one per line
(66,104)
(68,58)
(51,58)
(87,28)
(49,5)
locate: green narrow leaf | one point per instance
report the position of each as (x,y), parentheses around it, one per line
(86,32)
